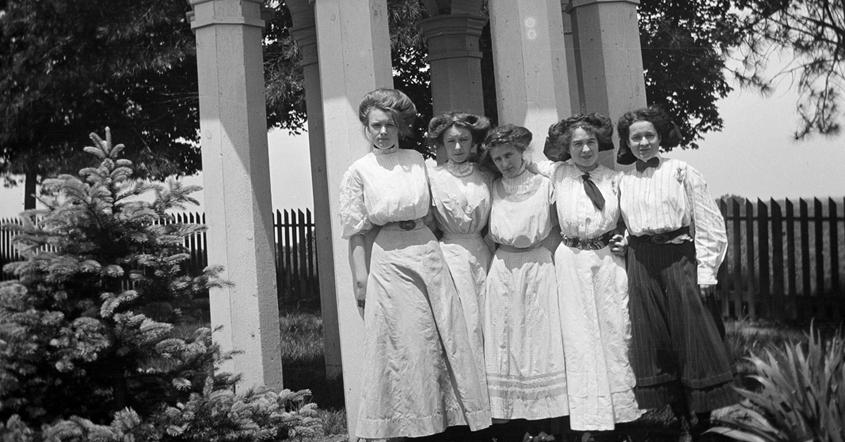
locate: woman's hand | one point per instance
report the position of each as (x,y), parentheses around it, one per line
(618,245)
(359,287)
(358,264)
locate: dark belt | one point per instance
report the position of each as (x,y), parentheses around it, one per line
(661,238)
(404,225)
(596,243)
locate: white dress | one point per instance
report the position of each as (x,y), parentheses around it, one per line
(593,295)
(461,200)
(419,375)
(523,346)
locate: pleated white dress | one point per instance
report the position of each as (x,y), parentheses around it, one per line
(523,345)
(593,295)
(461,200)
(419,375)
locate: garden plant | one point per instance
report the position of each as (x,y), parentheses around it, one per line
(98,334)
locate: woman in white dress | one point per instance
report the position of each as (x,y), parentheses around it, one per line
(460,196)
(523,346)
(419,376)
(592,284)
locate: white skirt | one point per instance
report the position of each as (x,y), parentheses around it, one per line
(419,374)
(593,294)
(468,258)
(523,345)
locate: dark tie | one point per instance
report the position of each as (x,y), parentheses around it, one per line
(593,191)
(643,165)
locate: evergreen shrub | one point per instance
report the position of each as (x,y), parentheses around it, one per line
(92,330)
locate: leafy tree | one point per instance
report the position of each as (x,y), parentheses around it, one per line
(684,47)
(130,64)
(814,32)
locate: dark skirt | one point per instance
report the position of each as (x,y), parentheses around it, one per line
(677,352)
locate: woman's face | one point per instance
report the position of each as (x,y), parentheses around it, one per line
(381,130)
(458,143)
(643,140)
(584,148)
(507,158)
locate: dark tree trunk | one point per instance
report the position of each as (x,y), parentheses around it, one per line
(29,190)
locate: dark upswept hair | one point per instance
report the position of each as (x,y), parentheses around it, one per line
(477,126)
(516,136)
(393,102)
(667,130)
(560,134)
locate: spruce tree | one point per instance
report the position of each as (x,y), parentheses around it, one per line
(96,320)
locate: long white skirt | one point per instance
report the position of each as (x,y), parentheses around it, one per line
(468,258)
(593,294)
(523,346)
(419,375)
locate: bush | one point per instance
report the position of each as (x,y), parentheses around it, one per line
(800,394)
(92,343)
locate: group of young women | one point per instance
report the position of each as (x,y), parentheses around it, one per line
(561,288)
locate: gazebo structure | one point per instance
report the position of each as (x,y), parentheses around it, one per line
(551,58)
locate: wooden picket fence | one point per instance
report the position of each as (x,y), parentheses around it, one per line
(785,261)
(295,251)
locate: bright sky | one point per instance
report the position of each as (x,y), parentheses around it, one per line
(754,156)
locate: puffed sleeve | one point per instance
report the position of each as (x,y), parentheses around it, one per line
(708,226)
(547,168)
(353,212)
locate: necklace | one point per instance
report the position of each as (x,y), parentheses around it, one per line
(459,169)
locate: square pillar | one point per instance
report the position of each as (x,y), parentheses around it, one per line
(305,32)
(233,135)
(532,86)
(353,49)
(611,60)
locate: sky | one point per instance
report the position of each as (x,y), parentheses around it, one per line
(753,156)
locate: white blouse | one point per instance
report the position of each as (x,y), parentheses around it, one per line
(577,215)
(381,188)
(668,197)
(521,213)
(460,196)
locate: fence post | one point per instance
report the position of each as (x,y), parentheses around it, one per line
(763,258)
(280,255)
(777,261)
(751,302)
(736,295)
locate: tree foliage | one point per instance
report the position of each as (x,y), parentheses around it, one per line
(89,322)
(70,65)
(813,33)
(99,334)
(684,46)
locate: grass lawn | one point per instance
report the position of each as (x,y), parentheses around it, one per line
(302,358)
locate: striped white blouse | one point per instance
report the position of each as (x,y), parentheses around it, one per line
(668,197)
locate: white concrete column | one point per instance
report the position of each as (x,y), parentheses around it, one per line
(611,58)
(305,33)
(573,62)
(529,58)
(353,46)
(236,175)
(455,61)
